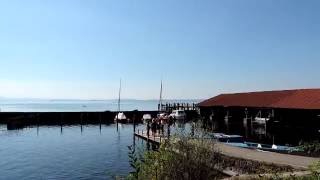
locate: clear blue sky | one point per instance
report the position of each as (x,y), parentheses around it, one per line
(81,48)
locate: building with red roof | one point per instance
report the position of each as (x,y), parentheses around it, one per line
(287,99)
(294,113)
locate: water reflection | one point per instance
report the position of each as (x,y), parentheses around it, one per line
(66,152)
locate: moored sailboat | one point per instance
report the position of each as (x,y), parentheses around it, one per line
(120,117)
(162,115)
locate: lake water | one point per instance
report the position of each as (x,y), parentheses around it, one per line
(70,153)
(25,105)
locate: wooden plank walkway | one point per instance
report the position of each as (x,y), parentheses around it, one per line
(157,139)
(297,162)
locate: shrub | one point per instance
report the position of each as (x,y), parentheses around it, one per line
(180,159)
(311,148)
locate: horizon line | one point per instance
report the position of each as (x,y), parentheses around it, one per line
(102,99)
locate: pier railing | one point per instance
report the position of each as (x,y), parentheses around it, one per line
(168,107)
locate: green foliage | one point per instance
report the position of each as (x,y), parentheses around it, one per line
(189,156)
(244,166)
(278,177)
(180,158)
(315,175)
(312,148)
(315,169)
(135,163)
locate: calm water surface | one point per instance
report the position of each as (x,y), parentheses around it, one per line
(24,105)
(70,153)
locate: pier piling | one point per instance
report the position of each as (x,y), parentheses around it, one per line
(17,120)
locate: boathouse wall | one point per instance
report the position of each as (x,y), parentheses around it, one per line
(290,126)
(290,116)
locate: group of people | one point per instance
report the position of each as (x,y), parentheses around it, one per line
(155,125)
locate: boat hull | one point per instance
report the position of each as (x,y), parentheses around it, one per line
(121,118)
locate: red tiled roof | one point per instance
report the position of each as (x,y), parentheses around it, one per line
(290,99)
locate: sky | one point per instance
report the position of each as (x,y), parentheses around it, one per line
(79,49)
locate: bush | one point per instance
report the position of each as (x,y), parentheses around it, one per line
(184,156)
(180,159)
(311,148)
(192,156)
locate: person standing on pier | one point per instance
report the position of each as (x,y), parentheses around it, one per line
(158,126)
(153,127)
(148,128)
(162,126)
(169,131)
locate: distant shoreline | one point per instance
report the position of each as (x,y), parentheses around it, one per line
(66,99)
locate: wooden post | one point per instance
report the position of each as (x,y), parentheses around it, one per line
(226,120)
(100,121)
(251,123)
(81,118)
(38,124)
(38,119)
(265,128)
(117,125)
(212,119)
(61,119)
(61,116)
(134,124)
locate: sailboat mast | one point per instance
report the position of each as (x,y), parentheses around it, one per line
(119,97)
(160,100)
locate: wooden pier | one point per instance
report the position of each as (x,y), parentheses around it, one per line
(169,107)
(155,139)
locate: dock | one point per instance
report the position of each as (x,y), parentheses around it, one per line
(169,107)
(155,139)
(16,120)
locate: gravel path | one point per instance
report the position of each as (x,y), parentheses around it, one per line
(298,162)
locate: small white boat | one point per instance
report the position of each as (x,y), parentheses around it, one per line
(178,115)
(163,116)
(274,147)
(238,141)
(121,117)
(146,118)
(261,120)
